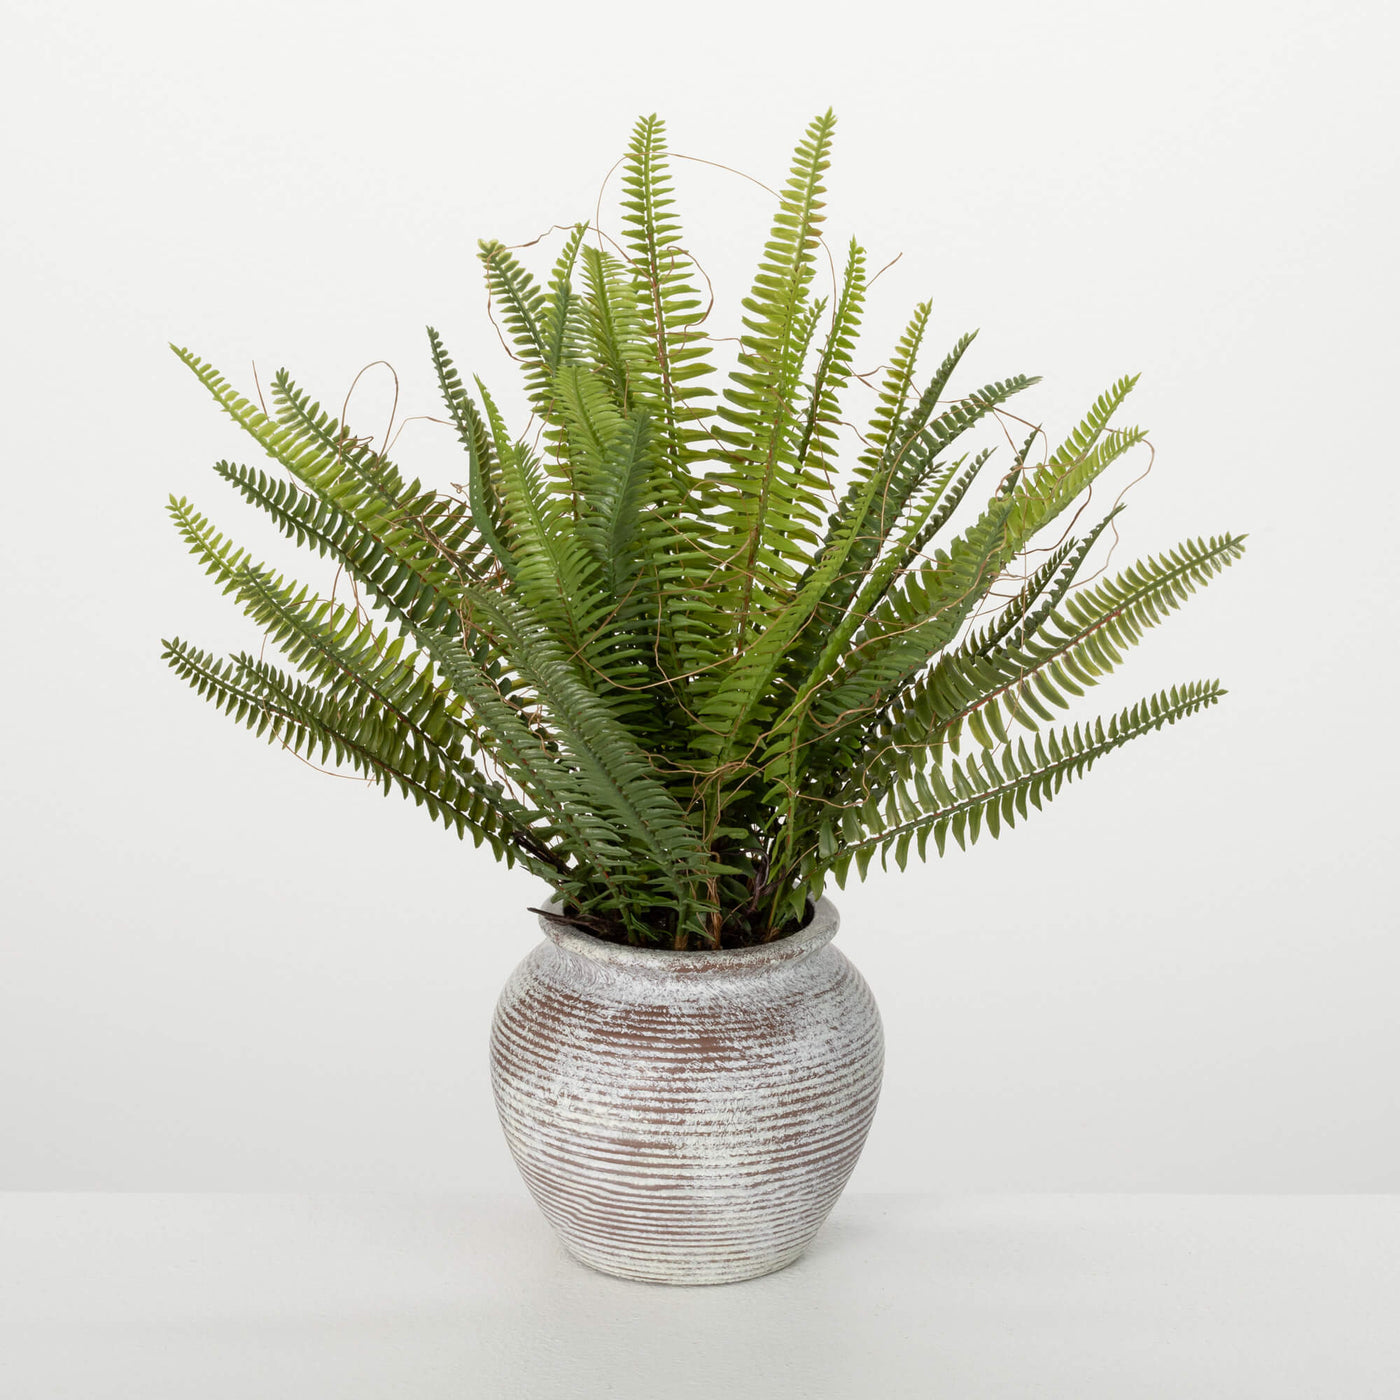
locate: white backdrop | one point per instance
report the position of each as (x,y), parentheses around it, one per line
(221,969)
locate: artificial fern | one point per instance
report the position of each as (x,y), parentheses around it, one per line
(652,650)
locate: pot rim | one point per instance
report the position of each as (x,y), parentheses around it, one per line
(816,933)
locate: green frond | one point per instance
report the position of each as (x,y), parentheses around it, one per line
(555,787)
(341,471)
(991,789)
(1042,592)
(545,325)
(591,418)
(483,490)
(924,612)
(906,465)
(671,309)
(1073,467)
(421,595)
(561,322)
(822,414)
(374,742)
(822,729)
(551,566)
(744,689)
(619,346)
(327,640)
(611,496)
(916,618)
(762,480)
(1049,660)
(881,435)
(914,468)
(923,522)
(904,730)
(1080,442)
(522,308)
(619,773)
(616,469)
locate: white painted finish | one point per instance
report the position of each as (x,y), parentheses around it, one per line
(687,1117)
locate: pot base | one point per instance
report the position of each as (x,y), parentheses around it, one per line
(694,1278)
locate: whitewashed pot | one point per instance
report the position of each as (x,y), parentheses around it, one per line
(686,1117)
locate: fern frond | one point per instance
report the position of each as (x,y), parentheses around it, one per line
(920,616)
(817,430)
(901,730)
(1042,592)
(374,742)
(762,480)
(1045,665)
(881,435)
(1073,467)
(329,643)
(339,469)
(670,305)
(904,458)
(483,488)
(823,725)
(522,305)
(620,349)
(591,418)
(381,574)
(611,496)
(913,469)
(915,619)
(561,323)
(325,639)
(620,772)
(992,788)
(552,570)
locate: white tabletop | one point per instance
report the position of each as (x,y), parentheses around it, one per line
(339,1298)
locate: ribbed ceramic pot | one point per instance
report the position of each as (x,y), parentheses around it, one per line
(687,1117)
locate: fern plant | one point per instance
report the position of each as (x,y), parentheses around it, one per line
(649,650)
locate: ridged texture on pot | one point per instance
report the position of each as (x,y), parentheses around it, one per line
(687,1117)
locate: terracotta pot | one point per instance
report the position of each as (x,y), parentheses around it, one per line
(686,1117)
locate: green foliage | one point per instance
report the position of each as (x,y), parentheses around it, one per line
(651,650)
